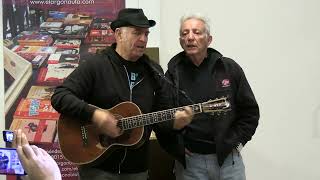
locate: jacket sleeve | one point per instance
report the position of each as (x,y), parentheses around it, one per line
(71,97)
(246,111)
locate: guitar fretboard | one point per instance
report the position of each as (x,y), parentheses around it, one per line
(152,118)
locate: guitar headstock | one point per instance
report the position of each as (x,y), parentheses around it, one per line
(216,105)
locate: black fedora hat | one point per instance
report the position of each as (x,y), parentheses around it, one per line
(132,17)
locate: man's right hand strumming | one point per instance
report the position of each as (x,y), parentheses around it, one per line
(106,123)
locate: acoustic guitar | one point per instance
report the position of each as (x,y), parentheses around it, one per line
(81,144)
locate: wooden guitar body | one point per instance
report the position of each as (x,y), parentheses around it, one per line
(81,144)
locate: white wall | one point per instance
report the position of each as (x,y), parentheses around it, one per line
(151,9)
(277,43)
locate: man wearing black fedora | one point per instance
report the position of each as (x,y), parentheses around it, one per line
(120,73)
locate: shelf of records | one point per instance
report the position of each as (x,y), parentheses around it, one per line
(62,33)
(45,68)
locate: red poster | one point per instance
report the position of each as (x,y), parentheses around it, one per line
(35,31)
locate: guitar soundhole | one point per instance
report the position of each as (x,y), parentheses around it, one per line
(106,141)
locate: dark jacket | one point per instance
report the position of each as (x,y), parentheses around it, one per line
(102,81)
(237,125)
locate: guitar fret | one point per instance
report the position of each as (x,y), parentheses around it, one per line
(163,116)
(145,120)
(126,126)
(155,117)
(129,124)
(139,122)
(149,119)
(134,122)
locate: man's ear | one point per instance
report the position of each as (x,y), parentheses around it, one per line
(118,33)
(181,41)
(210,39)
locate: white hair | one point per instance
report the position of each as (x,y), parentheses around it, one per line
(197,16)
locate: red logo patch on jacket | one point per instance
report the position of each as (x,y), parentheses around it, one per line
(225,83)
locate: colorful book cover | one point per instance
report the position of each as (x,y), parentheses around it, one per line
(74,31)
(63,59)
(38,131)
(67,43)
(36,59)
(59,71)
(36,109)
(47,50)
(41,76)
(68,51)
(96,32)
(100,39)
(55,74)
(101,24)
(72,19)
(57,14)
(85,20)
(25,49)
(51,25)
(20,49)
(34,40)
(95,49)
(40,92)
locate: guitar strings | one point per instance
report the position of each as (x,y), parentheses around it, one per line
(159,116)
(146,119)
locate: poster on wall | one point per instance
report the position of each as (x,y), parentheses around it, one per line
(40,36)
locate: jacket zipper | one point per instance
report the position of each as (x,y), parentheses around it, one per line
(130,87)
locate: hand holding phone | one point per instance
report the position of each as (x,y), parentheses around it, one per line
(9,161)
(37,163)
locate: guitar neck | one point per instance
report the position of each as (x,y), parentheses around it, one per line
(154,117)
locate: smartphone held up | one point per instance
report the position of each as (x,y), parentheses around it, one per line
(9,161)
(7,136)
